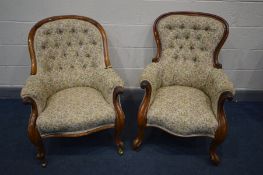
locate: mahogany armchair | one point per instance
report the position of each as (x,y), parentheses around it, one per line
(72,88)
(185,87)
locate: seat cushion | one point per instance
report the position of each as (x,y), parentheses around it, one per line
(75,110)
(183,111)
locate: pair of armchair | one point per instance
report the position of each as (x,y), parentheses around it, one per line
(73,90)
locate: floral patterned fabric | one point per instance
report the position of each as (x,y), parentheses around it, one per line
(73,110)
(190,37)
(182,110)
(67,44)
(72,88)
(41,87)
(185,85)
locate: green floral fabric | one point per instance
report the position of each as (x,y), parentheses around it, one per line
(67,44)
(182,110)
(74,110)
(185,85)
(72,88)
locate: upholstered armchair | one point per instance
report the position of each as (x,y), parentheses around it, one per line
(185,87)
(72,88)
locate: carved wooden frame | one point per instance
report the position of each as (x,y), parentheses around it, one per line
(221,130)
(33,133)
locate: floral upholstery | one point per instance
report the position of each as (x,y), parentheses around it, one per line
(71,85)
(74,110)
(190,37)
(183,110)
(185,85)
(67,44)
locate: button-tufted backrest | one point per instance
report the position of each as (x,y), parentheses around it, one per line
(187,36)
(64,44)
(188,44)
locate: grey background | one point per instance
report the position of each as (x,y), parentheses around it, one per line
(129,28)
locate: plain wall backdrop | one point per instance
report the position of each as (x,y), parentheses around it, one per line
(128,25)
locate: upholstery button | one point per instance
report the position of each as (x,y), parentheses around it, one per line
(84,66)
(85,31)
(187,37)
(195,27)
(194,59)
(169,27)
(52,57)
(94,42)
(64,54)
(56,45)
(207,28)
(47,32)
(87,55)
(181,47)
(60,68)
(43,46)
(80,43)
(71,66)
(182,26)
(69,43)
(59,31)
(203,48)
(191,47)
(73,30)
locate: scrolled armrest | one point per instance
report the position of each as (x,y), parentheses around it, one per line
(218,86)
(106,80)
(151,79)
(37,88)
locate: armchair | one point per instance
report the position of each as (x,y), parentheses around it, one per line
(72,88)
(185,87)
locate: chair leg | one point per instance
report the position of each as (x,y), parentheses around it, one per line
(221,130)
(212,151)
(119,143)
(142,114)
(137,142)
(120,119)
(34,136)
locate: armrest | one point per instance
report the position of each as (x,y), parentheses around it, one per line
(152,76)
(218,84)
(38,89)
(106,80)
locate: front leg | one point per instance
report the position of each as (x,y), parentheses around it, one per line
(33,132)
(142,114)
(222,128)
(120,119)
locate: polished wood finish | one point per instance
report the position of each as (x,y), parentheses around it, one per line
(32,33)
(120,118)
(142,114)
(35,137)
(221,131)
(222,128)
(33,132)
(218,48)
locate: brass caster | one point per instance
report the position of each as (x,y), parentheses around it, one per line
(120,151)
(136,144)
(215,159)
(44,163)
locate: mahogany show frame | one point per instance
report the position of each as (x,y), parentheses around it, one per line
(33,133)
(222,128)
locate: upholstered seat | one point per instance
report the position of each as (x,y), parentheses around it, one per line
(75,110)
(185,87)
(182,110)
(72,87)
